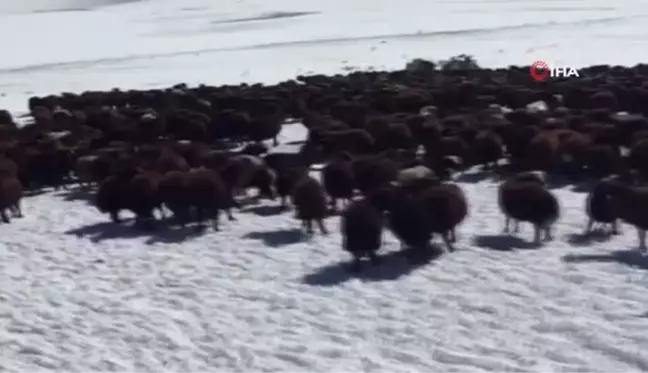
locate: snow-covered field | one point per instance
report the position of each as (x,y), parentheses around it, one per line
(78,293)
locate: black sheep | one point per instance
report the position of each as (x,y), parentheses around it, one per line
(361,227)
(599,207)
(407,217)
(11,192)
(529,201)
(448,208)
(630,203)
(337,177)
(309,199)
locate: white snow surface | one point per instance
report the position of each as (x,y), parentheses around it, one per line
(78,293)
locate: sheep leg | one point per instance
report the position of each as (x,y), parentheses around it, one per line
(548,235)
(590,225)
(216,219)
(374,258)
(615,227)
(448,241)
(5,216)
(114,216)
(322,227)
(453,235)
(333,204)
(200,219)
(536,234)
(356,265)
(507,224)
(230,217)
(162,212)
(516,226)
(17,210)
(642,239)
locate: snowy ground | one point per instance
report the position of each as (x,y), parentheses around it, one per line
(78,293)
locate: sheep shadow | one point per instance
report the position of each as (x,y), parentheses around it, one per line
(503,242)
(278,238)
(107,230)
(632,258)
(174,234)
(588,238)
(162,231)
(265,210)
(393,266)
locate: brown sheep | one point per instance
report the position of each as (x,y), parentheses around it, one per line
(200,189)
(208,195)
(244,171)
(8,167)
(337,178)
(630,203)
(11,192)
(113,195)
(361,227)
(448,207)
(599,207)
(638,156)
(528,201)
(488,148)
(144,197)
(173,192)
(87,170)
(309,199)
(543,151)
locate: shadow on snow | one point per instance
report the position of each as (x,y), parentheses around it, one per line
(278,238)
(393,266)
(164,231)
(503,242)
(632,258)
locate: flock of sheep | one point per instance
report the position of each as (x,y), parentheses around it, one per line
(390,143)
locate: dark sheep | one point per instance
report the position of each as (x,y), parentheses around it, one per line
(11,193)
(144,197)
(488,148)
(173,191)
(361,227)
(528,201)
(289,168)
(309,199)
(630,203)
(448,208)
(599,207)
(202,190)
(245,171)
(8,167)
(91,169)
(112,196)
(374,172)
(407,217)
(209,195)
(337,178)
(543,151)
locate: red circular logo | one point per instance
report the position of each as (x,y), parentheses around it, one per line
(539,70)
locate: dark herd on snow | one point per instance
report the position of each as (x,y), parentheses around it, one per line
(392,144)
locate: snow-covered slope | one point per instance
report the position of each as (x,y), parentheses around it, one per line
(79,293)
